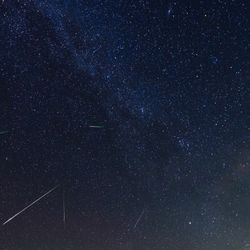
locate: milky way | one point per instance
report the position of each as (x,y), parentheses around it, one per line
(132,107)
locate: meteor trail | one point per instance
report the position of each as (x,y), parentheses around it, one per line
(14,216)
(4,132)
(139,218)
(96,126)
(64,214)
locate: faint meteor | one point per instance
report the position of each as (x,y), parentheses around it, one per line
(64,213)
(96,126)
(139,218)
(4,132)
(14,216)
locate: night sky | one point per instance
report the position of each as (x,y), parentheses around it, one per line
(138,111)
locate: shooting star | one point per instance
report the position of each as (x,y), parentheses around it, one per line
(4,132)
(64,214)
(139,218)
(96,126)
(14,216)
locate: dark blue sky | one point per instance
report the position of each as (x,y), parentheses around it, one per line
(167,85)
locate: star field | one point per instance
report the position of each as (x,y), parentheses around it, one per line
(139,111)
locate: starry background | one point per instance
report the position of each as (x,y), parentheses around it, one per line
(168,84)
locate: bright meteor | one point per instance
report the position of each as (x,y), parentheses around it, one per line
(96,126)
(38,199)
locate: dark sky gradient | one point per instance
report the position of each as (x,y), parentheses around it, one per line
(168,82)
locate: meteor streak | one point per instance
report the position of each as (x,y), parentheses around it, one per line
(4,132)
(38,199)
(96,126)
(64,214)
(139,218)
